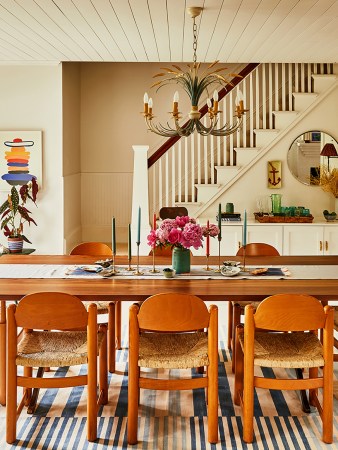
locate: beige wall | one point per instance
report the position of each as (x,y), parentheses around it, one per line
(71,118)
(31,100)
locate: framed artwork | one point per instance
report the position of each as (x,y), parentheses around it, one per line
(274,174)
(315,136)
(20,158)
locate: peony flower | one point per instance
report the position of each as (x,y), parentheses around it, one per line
(182,232)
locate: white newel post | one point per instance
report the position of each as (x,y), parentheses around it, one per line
(140,200)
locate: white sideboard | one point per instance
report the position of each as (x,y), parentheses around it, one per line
(317,238)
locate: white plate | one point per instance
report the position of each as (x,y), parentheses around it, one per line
(91,268)
(230,271)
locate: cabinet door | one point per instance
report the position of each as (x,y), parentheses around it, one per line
(330,239)
(303,240)
(268,234)
(230,243)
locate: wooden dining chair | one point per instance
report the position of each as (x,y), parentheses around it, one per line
(236,308)
(114,339)
(38,315)
(173,331)
(289,339)
(335,355)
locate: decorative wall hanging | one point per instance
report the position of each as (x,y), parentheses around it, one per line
(20,158)
(274,174)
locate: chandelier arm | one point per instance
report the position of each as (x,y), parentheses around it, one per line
(187,128)
(224,131)
(203,130)
(160,129)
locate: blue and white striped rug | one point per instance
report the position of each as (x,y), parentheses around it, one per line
(168,420)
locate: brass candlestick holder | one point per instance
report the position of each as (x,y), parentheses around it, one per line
(113,265)
(153,270)
(129,268)
(219,255)
(207,267)
(138,272)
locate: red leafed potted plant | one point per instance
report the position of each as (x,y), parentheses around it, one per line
(14,214)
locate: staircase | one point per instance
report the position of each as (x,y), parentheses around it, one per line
(197,170)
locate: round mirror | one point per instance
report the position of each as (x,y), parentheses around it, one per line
(308,152)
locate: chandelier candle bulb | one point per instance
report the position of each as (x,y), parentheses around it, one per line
(176,99)
(215,97)
(150,106)
(145,101)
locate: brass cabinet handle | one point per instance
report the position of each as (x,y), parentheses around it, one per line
(320,245)
(239,244)
(326,245)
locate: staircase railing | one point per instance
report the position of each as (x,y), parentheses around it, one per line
(180,164)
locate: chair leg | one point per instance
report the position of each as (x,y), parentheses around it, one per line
(34,397)
(11,404)
(111,336)
(27,392)
(248,402)
(103,373)
(236,320)
(313,373)
(133,400)
(118,330)
(327,414)
(230,319)
(212,398)
(239,368)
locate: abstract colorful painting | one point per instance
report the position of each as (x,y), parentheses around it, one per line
(20,158)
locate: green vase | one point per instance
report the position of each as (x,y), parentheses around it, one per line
(181,260)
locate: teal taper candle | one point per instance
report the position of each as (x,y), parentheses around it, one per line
(114,237)
(139,226)
(244,229)
(220,220)
(129,242)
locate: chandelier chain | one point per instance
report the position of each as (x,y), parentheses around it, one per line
(194,45)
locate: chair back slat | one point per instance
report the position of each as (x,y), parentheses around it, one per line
(258,249)
(173,312)
(51,311)
(290,312)
(92,248)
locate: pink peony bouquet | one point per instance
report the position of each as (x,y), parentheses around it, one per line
(182,232)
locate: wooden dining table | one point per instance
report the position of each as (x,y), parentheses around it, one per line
(134,289)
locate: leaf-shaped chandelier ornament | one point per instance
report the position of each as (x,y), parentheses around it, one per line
(194,84)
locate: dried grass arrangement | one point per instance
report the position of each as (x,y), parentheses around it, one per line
(327,180)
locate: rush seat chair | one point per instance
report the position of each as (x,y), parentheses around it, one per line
(283,332)
(236,309)
(173,331)
(114,339)
(57,331)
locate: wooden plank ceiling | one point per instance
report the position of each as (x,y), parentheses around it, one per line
(235,31)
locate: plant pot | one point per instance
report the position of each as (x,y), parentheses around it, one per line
(15,244)
(181,260)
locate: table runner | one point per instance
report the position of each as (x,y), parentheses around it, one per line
(197,272)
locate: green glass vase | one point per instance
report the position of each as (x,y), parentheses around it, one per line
(181,260)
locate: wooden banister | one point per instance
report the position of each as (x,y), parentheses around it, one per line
(221,94)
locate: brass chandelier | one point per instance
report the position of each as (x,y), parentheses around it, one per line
(194,85)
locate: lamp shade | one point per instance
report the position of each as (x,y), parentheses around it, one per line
(329,150)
